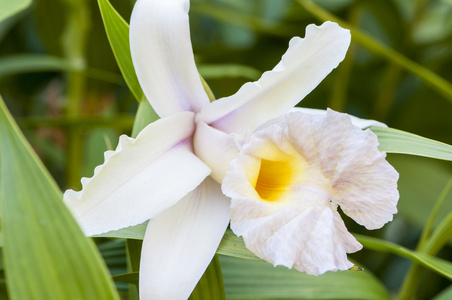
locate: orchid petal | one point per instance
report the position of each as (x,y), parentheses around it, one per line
(180,243)
(288,180)
(163,57)
(358,122)
(364,183)
(141,178)
(216,149)
(302,68)
(310,239)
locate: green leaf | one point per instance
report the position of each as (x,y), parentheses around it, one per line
(431,220)
(435,81)
(215,71)
(133,263)
(429,245)
(26,63)
(258,280)
(438,265)
(145,116)
(398,141)
(118,35)
(421,180)
(46,254)
(445,295)
(133,232)
(440,236)
(9,8)
(131,278)
(210,286)
(232,245)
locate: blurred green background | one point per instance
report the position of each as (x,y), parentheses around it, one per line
(61,82)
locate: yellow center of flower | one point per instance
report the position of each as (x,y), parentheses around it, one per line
(273,179)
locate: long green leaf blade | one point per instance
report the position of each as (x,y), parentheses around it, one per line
(210,286)
(438,265)
(9,8)
(258,280)
(118,35)
(26,63)
(234,246)
(435,81)
(398,141)
(46,254)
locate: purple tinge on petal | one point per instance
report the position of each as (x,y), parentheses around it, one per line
(309,239)
(163,57)
(216,148)
(341,165)
(364,183)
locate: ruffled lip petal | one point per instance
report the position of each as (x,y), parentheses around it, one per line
(302,68)
(141,178)
(328,162)
(163,57)
(180,243)
(364,183)
(309,240)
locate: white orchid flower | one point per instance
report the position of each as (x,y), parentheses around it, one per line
(288,180)
(171,173)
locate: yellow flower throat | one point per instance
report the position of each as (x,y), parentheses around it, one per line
(274,179)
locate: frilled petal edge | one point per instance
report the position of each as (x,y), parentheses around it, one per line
(141,178)
(288,180)
(305,64)
(180,243)
(313,240)
(363,183)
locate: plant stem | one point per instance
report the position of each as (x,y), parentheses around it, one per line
(435,81)
(74,44)
(386,98)
(340,87)
(428,244)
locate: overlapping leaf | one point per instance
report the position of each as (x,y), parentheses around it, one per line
(398,141)
(118,35)
(259,280)
(46,254)
(9,8)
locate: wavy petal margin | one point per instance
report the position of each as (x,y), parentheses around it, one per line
(305,64)
(141,178)
(364,183)
(288,180)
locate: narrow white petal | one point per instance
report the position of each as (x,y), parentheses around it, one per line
(141,178)
(180,243)
(163,57)
(216,149)
(302,68)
